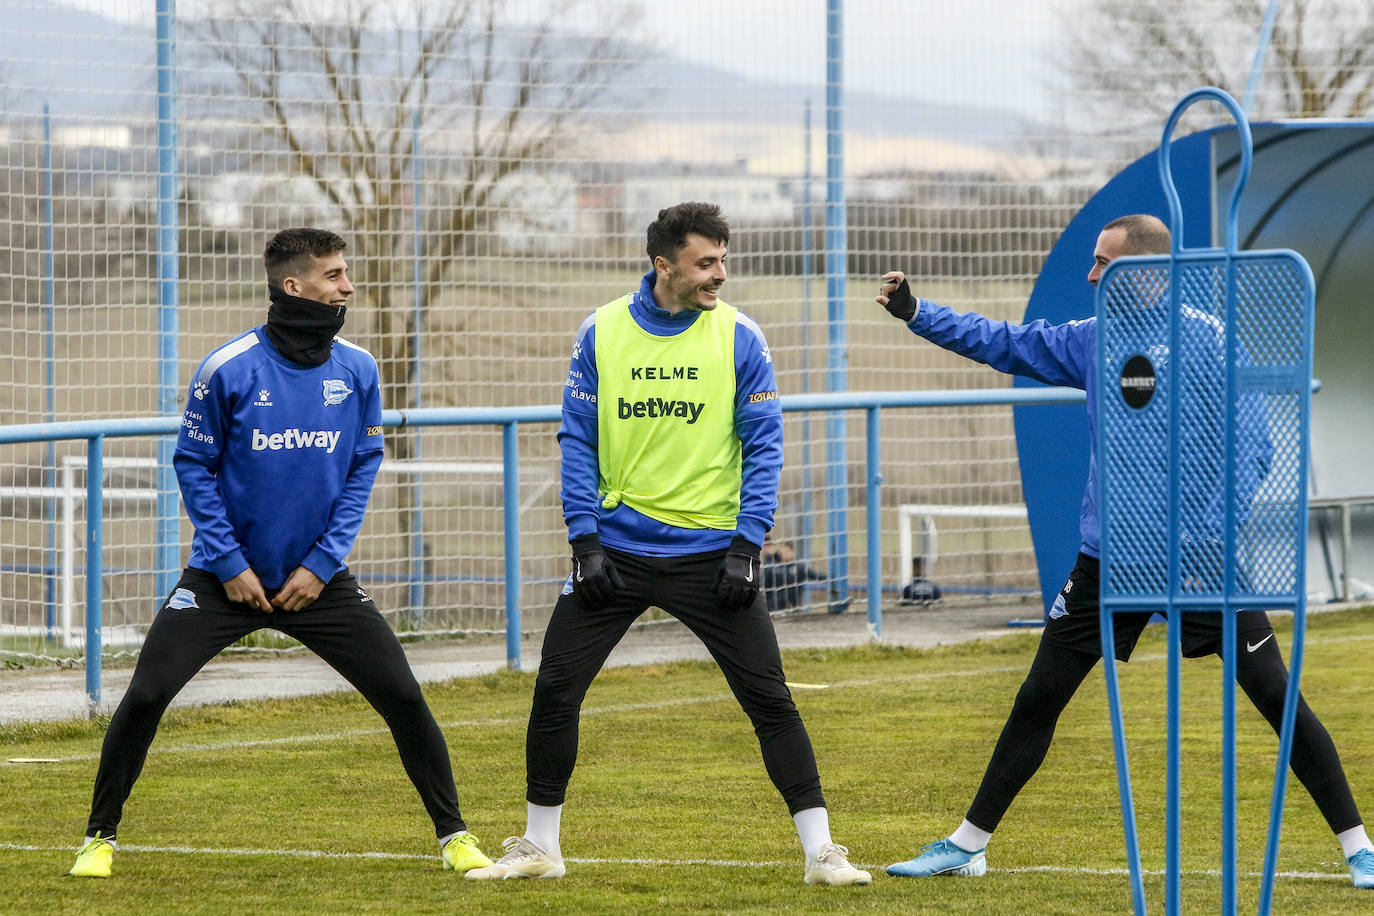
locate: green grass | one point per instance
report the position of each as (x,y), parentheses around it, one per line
(670,770)
(35,645)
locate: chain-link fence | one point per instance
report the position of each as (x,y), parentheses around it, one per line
(493,166)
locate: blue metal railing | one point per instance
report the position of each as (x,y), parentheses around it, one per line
(509,419)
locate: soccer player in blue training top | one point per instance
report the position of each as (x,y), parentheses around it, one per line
(1071,643)
(672,445)
(277,453)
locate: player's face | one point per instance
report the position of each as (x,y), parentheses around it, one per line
(326,281)
(1109,247)
(693,279)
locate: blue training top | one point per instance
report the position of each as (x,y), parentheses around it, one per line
(758,424)
(1066,354)
(276,460)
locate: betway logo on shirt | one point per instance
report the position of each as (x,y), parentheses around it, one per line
(295,438)
(658,407)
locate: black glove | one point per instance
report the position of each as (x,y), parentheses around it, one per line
(900,303)
(740,575)
(595,577)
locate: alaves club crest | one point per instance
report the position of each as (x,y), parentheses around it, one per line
(335,391)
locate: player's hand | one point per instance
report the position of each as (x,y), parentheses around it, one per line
(595,578)
(300,591)
(895,296)
(246,588)
(737,586)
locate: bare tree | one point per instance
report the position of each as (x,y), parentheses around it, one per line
(346,91)
(363,101)
(1127,63)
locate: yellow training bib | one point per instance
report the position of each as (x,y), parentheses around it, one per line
(666,418)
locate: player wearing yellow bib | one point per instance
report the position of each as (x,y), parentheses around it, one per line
(672,444)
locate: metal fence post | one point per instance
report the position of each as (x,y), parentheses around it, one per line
(95,517)
(875,517)
(510,450)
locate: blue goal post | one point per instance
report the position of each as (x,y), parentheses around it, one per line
(1204,366)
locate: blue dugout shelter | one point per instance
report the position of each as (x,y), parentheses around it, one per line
(1312,190)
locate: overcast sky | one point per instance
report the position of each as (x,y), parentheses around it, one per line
(981,52)
(966,52)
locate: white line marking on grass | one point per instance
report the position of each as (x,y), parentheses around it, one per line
(212,851)
(712,863)
(323,854)
(592,711)
(507,720)
(718,863)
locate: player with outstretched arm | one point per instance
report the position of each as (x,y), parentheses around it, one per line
(1071,643)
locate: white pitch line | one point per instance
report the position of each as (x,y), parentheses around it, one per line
(507,720)
(686,863)
(322,854)
(594,711)
(213,851)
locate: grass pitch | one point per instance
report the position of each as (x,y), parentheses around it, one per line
(301,806)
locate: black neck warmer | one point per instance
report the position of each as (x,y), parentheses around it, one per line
(302,330)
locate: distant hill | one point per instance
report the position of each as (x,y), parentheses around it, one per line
(88,66)
(80,63)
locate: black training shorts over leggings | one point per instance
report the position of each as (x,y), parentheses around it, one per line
(1071,646)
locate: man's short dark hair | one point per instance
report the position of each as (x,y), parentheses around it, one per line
(1145,234)
(668,233)
(289,252)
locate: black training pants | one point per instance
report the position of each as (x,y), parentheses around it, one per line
(342,627)
(743,644)
(1057,671)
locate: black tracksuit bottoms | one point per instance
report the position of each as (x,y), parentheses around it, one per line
(743,644)
(342,627)
(1071,646)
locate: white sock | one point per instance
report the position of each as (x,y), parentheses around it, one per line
(813,827)
(443,840)
(969,838)
(1353,840)
(89,838)
(541,826)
